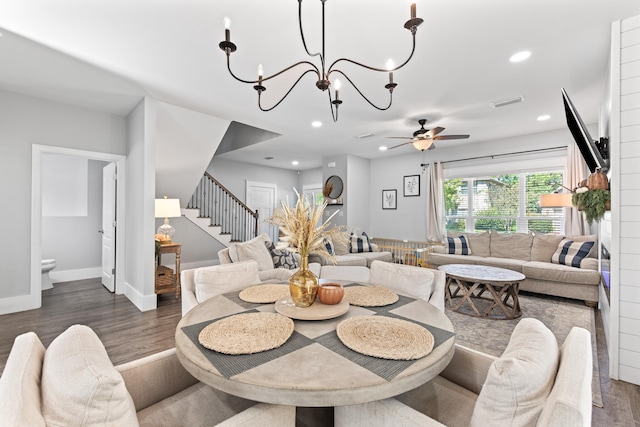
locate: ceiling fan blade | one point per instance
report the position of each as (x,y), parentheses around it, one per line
(433,132)
(432,147)
(400,145)
(398,137)
(451,137)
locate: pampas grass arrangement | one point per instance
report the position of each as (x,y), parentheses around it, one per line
(299,226)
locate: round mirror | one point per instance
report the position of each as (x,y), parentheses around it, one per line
(333,187)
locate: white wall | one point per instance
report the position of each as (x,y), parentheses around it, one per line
(622,225)
(74,241)
(358,196)
(24,121)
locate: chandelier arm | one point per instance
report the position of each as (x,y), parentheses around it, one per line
(304,42)
(285,95)
(332,104)
(413,49)
(315,69)
(362,94)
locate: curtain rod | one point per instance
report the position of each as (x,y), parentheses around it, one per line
(501,155)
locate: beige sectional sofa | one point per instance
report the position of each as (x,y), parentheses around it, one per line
(342,256)
(531,255)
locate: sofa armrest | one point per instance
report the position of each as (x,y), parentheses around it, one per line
(589,263)
(468,368)
(374,247)
(439,249)
(275,275)
(154,378)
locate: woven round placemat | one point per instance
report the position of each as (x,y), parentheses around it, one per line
(369,296)
(263,294)
(385,337)
(247,333)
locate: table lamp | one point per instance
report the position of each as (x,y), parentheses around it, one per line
(167,208)
(556,200)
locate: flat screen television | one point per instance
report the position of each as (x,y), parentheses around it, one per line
(595,153)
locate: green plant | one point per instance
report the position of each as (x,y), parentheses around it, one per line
(593,203)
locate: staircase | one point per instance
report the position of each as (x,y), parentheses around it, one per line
(218,212)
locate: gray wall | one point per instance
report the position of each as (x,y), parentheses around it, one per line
(25,121)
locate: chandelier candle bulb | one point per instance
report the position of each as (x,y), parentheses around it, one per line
(260,74)
(390,67)
(227,29)
(413,10)
(337,86)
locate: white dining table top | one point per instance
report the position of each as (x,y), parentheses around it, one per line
(313,368)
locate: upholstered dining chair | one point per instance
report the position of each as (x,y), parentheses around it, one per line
(416,282)
(200,284)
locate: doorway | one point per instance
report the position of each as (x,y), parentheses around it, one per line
(36,214)
(262,196)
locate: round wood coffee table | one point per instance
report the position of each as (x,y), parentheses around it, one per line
(483,291)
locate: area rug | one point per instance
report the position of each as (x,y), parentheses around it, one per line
(558,314)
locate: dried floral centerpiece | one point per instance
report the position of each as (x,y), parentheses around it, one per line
(299,226)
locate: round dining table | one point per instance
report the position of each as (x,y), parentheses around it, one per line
(313,368)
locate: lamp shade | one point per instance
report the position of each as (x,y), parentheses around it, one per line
(168,208)
(556,200)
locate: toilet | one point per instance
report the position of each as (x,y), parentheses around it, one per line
(47,266)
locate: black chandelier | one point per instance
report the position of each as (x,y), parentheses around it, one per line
(322,73)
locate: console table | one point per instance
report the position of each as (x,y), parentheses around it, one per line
(166,280)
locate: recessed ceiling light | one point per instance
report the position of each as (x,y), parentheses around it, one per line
(520,56)
(382,148)
(295,163)
(316,124)
(543,117)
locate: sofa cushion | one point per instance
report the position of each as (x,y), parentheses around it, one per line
(351,273)
(218,279)
(376,256)
(20,403)
(444,259)
(511,245)
(408,280)
(544,246)
(253,250)
(479,242)
(571,253)
(519,382)
(282,258)
(508,263)
(359,244)
(341,246)
(560,273)
(350,259)
(458,246)
(80,386)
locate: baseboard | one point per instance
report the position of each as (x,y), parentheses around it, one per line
(143,302)
(19,303)
(79,274)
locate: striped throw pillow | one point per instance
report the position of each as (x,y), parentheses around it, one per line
(458,245)
(571,253)
(359,243)
(328,245)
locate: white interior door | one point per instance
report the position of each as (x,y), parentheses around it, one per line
(262,196)
(108,226)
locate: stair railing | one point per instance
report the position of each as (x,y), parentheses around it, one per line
(224,209)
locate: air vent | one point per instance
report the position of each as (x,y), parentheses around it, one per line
(366,135)
(509,101)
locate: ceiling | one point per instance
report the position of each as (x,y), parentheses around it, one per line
(105,54)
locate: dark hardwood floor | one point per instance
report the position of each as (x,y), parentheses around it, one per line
(129,334)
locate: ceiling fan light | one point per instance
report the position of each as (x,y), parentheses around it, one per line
(422,144)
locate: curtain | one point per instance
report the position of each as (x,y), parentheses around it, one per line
(575,170)
(436,221)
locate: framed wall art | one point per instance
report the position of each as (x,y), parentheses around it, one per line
(411,185)
(389,199)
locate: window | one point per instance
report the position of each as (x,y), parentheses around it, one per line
(505,203)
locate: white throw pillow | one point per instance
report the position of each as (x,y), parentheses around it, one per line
(519,382)
(253,250)
(80,386)
(219,279)
(408,280)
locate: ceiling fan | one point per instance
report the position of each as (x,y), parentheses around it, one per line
(422,139)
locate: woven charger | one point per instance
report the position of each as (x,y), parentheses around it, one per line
(385,337)
(369,296)
(247,333)
(263,294)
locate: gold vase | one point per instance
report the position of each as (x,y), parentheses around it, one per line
(303,285)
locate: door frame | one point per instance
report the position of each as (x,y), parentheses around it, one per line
(274,187)
(35,296)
